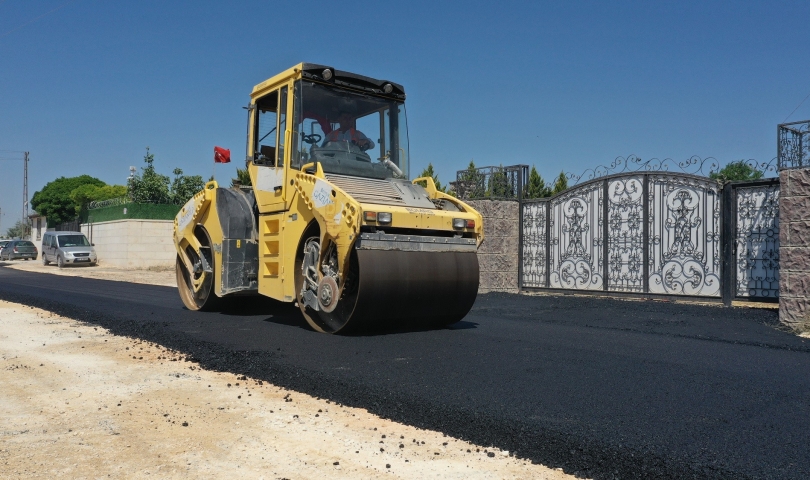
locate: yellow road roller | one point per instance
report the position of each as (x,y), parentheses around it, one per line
(330,220)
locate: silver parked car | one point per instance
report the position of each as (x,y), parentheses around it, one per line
(22,249)
(67,248)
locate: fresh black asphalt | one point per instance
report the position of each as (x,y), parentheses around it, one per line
(602,388)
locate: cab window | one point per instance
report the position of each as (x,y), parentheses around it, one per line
(270,127)
(266,131)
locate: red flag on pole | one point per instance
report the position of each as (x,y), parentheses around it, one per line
(222,155)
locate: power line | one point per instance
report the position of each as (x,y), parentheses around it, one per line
(35,19)
(797,107)
(4,154)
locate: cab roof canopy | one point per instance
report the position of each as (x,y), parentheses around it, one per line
(329,75)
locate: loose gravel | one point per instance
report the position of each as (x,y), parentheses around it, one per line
(78,401)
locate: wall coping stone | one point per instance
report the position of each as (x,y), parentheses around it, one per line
(126,220)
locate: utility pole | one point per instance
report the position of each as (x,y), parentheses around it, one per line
(25,195)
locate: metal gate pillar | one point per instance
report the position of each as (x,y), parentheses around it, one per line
(728,245)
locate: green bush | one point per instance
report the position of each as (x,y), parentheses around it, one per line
(242,178)
(143,211)
(739,170)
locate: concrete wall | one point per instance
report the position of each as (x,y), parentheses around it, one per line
(498,256)
(38,233)
(133,243)
(794,248)
(39,225)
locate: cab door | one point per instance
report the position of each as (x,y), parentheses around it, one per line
(270,137)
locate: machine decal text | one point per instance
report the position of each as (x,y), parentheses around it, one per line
(184,220)
(321,194)
(419,210)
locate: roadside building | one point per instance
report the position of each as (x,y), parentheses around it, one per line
(39,225)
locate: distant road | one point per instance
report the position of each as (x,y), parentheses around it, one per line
(603,388)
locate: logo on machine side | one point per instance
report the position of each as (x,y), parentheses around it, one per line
(423,211)
(321,194)
(188,214)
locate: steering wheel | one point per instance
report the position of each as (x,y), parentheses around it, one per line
(311,139)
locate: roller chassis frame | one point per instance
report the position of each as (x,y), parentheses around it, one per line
(307,241)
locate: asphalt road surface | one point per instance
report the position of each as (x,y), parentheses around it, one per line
(601,388)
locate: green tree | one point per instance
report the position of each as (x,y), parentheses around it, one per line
(185,186)
(19,230)
(499,185)
(428,172)
(560,184)
(537,186)
(470,183)
(108,192)
(54,200)
(242,177)
(739,170)
(87,193)
(149,186)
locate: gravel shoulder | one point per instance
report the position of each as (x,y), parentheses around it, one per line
(77,401)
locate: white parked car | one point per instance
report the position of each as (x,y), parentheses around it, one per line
(67,248)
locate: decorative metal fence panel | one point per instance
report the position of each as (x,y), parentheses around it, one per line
(626,234)
(655,233)
(684,219)
(793,144)
(576,238)
(757,241)
(535,216)
(495,183)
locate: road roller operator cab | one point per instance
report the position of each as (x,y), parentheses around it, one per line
(331,221)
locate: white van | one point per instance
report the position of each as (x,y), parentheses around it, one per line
(67,248)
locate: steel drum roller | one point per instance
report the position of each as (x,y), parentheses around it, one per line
(403,289)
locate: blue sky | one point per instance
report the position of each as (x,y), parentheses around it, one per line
(559,85)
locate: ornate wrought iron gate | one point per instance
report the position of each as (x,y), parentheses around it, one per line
(755,247)
(655,233)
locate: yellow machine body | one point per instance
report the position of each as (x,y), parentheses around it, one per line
(233,241)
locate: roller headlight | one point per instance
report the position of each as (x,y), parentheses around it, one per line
(384,218)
